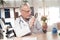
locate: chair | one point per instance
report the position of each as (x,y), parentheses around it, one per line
(1,34)
(5,27)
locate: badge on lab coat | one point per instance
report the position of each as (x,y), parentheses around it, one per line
(21,27)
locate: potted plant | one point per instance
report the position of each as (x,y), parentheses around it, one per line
(44,24)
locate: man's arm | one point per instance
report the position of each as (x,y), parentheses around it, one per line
(31,22)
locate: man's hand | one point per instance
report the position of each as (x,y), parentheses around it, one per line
(31,22)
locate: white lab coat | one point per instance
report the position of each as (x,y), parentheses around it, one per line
(22,27)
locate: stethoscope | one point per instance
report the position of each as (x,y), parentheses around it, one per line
(21,22)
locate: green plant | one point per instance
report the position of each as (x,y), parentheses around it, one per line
(43,18)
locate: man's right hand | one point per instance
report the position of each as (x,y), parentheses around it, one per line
(31,22)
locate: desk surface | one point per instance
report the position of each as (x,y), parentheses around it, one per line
(42,36)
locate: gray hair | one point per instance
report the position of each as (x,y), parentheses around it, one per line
(24,5)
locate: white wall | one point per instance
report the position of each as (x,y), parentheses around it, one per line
(11,19)
(2,13)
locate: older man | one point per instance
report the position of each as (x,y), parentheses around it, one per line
(26,14)
(26,20)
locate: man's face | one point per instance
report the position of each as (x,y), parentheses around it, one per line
(26,12)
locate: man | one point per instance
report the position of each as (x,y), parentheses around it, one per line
(23,24)
(33,22)
(25,19)
(26,14)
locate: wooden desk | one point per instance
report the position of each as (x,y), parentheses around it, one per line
(42,36)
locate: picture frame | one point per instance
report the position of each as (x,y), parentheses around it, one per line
(7,13)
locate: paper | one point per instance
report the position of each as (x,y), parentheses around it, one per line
(10,38)
(29,38)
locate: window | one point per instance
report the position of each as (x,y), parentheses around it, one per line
(52,14)
(7,13)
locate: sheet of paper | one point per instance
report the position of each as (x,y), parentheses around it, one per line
(10,39)
(29,38)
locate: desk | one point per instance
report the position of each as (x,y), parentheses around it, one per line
(42,36)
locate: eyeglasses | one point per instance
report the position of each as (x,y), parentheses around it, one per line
(26,11)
